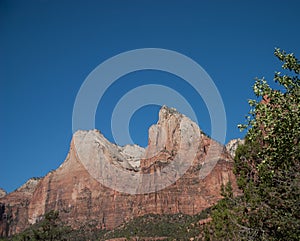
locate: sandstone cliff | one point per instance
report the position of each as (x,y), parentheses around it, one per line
(14,208)
(104,185)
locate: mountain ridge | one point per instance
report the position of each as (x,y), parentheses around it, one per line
(82,198)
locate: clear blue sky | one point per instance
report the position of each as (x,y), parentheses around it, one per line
(47,49)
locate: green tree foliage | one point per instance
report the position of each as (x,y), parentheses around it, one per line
(49,229)
(267,166)
(170,226)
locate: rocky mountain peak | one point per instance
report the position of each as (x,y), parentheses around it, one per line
(166,112)
(171,130)
(106,184)
(91,146)
(174,134)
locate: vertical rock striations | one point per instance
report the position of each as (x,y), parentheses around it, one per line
(14,208)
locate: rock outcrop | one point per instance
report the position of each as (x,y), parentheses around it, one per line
(233,145)
(104,185)
(2,193)
(14,208)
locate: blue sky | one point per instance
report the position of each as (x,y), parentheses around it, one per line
(48,48)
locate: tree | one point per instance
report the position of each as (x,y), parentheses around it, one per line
(267,166)
(49,229)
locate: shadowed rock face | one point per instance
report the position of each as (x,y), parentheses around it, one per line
(79,191)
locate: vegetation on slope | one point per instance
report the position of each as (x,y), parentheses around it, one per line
(175,226)
(168,227)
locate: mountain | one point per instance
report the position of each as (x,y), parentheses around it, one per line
(104,185)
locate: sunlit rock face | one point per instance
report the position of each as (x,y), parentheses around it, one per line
(233,145)
(180,171)
(2,192)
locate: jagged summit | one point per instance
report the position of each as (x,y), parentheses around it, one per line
(165,110)
(161,136)
(93,143)
(174,136)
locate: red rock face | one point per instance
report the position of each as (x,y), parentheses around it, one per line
(82,199)
(14,207)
